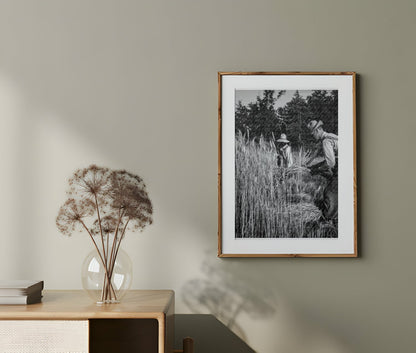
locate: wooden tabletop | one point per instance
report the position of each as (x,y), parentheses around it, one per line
(77,305)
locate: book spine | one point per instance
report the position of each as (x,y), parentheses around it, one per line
(16,291)
(19,300)
(13,292)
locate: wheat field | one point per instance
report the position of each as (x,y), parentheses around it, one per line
(273,201)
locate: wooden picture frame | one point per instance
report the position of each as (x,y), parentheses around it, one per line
(287,164)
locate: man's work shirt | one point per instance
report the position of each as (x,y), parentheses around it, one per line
(330,148)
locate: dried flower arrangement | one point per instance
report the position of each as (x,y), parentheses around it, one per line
(105,203)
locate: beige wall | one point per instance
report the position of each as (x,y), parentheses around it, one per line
(132,84)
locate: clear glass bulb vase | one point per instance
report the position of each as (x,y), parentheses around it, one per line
(95,277)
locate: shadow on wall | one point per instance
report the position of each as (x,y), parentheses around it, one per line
(227,295)
(245,300)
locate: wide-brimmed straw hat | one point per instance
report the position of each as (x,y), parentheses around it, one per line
(283,138)
(313,125)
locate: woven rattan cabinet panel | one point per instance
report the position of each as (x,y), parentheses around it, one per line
(44,336)
(68,321)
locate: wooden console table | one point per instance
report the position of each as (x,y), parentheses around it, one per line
(142,322)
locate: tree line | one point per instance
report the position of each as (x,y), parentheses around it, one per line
(261,118)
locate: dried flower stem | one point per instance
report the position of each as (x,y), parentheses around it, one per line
(104,293)
(101,228)
(102,260)
(112,257)
(117,248)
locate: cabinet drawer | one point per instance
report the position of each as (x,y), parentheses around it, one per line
(43,336)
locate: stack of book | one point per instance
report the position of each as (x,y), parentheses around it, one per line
(20,292)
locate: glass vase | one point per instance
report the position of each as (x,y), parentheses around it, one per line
(95,277)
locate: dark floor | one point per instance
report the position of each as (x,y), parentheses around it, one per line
(209,335)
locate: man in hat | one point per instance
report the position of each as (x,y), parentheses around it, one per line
(285,158)
(325,163)
(325,158)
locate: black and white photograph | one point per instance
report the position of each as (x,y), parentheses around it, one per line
(287,144)
(286,164)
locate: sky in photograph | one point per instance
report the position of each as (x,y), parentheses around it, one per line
(250,96)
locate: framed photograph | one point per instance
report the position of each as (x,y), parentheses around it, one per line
(287,164)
